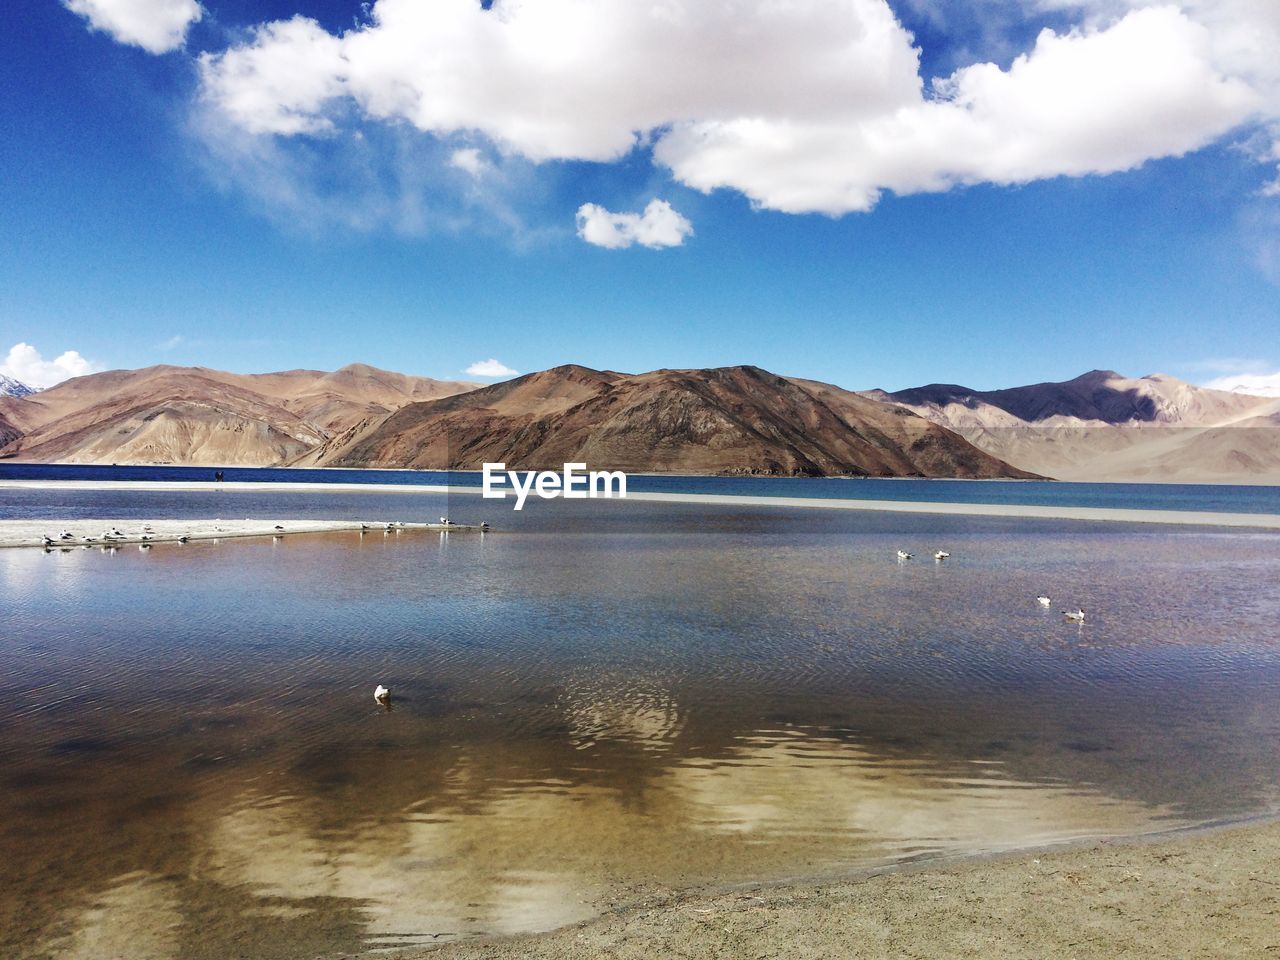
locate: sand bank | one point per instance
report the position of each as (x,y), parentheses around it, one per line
(1265,521)
(108,533)
(1209,894)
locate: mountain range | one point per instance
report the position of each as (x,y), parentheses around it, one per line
(166,414)
(1104,426)
(735,420)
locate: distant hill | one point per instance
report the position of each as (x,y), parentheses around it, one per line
(194,415)
(10,387)
(1104,426)
(731,420)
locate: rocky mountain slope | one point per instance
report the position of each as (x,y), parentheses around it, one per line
(193,415)
(1104,426)
(740,420)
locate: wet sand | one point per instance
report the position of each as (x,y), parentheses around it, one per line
(1211,893)
(108,533)
(1264,521)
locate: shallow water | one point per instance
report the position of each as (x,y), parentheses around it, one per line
(598,701)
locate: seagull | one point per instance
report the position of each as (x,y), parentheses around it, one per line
(64,535)
(1076,615)
(941,555)
(484,524)
(903,555)
(183,539)
(115,532)
(381,694)
(1043,600)
(48,541)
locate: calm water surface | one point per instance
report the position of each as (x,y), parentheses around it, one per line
(1136,496)
(595,702)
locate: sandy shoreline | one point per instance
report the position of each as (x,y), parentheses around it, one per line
(1208,893)
(1262,521)
(116,533)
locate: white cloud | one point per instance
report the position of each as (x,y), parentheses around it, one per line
(660,225)
(469,160)
(804,106)
(25,363)
(156,26)
(173,342)
(1255,384)
(490,368)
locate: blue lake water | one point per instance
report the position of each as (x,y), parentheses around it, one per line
(597,702)
(1147,496)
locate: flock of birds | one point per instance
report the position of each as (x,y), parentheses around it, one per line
(1075,616)
(113,536)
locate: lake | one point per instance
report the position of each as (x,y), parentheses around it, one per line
(598,702)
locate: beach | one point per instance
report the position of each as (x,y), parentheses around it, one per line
(1262,521)
(1209,893)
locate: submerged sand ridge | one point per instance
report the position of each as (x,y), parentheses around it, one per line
(68,534)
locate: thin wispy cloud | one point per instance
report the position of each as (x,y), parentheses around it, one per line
(490,368)
(659,225)
(25,363)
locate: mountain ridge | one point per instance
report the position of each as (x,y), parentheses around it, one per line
(737,420)
(1102,425)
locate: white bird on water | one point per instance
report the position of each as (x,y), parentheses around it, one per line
(941,555)
(903,555)
(381,694)
(1076,615)
(1043,600)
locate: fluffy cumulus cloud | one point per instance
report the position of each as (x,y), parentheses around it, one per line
(660,225)
(157,26)
(1255,384)
(810,105)
(490,368)
(24,363)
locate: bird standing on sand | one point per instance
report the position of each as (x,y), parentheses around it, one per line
(1043,600)
(47,541)
(65,535)
(1075,616)
(381,694)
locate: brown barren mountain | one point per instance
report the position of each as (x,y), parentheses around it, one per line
(740,420)
(193,415)
(1104,426)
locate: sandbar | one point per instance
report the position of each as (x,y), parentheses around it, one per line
(115,533)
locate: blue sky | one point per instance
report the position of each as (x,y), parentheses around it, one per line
(225,214)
